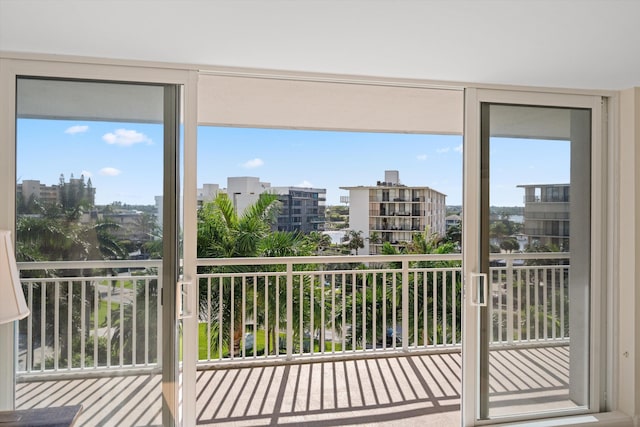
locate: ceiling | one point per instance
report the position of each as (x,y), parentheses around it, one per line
(590,44)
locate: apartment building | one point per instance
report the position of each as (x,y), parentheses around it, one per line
(392,212)
(207,193)
(302,209)
(546,214)
(245,191)
(33,189)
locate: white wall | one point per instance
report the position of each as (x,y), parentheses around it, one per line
(570,43)
(359,215)
(627,354)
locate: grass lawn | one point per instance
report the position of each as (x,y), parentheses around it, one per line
(103,311)
(202,344)
(259,342)
(116,283)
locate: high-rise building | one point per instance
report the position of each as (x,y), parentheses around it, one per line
(73,191)
(303,209)
(207,193)
(546,214)
(32,189)
(393,212)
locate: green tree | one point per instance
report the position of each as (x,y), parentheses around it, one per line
(223,233)
(146,307)
(374,238)
(510,244)
(56,233)
(454,235)
(279,244)
(356,241)
(319,241)
(498,230)
(421,292)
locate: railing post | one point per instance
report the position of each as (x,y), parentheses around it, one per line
(510,300)
(159,314)
(405,306)
(290,311)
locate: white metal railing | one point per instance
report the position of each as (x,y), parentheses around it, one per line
(530,297)
(100,316)
(259,310)
(90,316)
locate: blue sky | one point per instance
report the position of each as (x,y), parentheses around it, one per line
(324,159)
(124,160)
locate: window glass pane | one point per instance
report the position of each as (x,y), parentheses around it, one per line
(539,172)
(89,175)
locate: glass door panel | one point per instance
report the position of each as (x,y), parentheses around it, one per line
(89,236)
(531,307)
(538,310)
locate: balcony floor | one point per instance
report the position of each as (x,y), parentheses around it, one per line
(420,390)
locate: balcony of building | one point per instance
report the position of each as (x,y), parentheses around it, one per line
(293,340)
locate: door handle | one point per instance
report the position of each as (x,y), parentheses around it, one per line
(183,300)
(479,291)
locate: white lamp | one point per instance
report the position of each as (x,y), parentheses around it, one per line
(12,303)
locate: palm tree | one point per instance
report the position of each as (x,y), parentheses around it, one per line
(278,244)
(454,234)
(356,241)
(374,238)
(223,233)
(56,234)
(422,243)
(319,241)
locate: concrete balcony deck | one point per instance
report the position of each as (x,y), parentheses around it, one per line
(344,373)
(384,391)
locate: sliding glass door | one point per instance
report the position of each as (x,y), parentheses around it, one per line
(531,291)
(95,202)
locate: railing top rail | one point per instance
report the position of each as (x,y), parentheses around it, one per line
(323,272)
(531,255)
(53,265)
(340,259)
(336,259)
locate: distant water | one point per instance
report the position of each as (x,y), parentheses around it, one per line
(516,218)
(336,236)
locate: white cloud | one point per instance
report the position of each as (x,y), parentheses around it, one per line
(443,150)
(458,148)
(305,184)
(76,129)
(86,174)
(110,171)
(253,163)
(125,137)
(422,157)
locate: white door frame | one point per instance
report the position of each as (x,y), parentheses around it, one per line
(471,237)
(10,69)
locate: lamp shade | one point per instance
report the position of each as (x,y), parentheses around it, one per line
(12,303)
